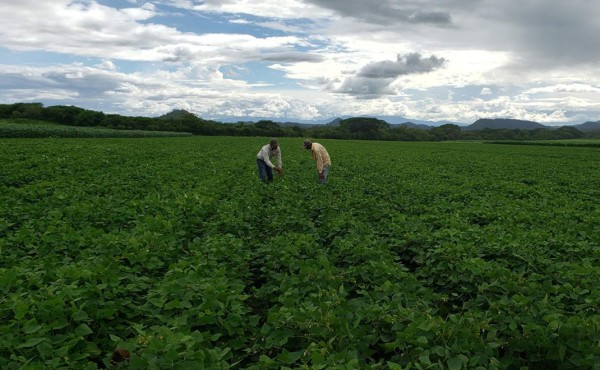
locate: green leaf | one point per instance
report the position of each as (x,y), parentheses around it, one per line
(425,359)
(82,330)
(422,340)
(317,357)
(562,351)
(425,325)
(265,360)
(31,326)
(394,366)
(440,351)
(21,310)
(80,315)
(289,357)
(31,342)
(455,363)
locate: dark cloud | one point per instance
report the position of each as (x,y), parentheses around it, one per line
(538,34)
(375,78)
(78,81)
(403,65)
(292,57)
(366,87)
(559,32)
(177,54)
(11,80)
(386,11)
(85,83)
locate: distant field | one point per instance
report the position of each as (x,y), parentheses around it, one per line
(38,129)
(592,143)
(414,255)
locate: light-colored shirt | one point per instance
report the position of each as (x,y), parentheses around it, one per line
(320,155)
(266,154)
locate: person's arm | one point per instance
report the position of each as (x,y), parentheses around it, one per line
(278,156)
(319,160)
(279,163)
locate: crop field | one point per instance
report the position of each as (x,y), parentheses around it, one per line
(40,129)
(413,256)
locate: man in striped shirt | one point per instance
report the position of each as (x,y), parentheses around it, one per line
(321,157)
(263,161)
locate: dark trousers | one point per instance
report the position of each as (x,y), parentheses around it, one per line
(264,171)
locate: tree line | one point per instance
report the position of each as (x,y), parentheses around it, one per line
(357,128)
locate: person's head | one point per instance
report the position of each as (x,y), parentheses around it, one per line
(307,144)
(274,144)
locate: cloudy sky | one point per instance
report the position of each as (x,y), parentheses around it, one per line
(436,60)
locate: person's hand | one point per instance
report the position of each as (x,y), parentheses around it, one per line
(279,170)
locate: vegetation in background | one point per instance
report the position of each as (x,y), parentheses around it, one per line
(418,255)
(30,129)
(358,128)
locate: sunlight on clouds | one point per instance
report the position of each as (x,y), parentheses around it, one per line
(463,68)
(290,9)
(564,88)
(106,64)
(146,12)
(239,21)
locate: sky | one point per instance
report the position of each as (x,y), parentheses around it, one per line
(307,60)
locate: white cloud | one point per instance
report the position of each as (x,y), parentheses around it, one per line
(106,64)
(147,58)
(486,91)
(239,21)
(564,88)
(290,9)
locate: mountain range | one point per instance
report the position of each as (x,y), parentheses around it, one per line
(397,121)
(480,124)
(515,124)
(392,120)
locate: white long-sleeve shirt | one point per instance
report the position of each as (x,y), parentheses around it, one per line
(266,154)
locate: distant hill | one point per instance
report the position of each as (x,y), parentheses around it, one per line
(588,126)
(296,124)
(503,123)
(412,126)
(177,114)
(398,120)
(393,121)
(332,122)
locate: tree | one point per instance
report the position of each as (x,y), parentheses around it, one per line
(267,125)
(567,132)
(27,110)
(62,114)
(89,118)
(364,127)
(113,121)
(446,132)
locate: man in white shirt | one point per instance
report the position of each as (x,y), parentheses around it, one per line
(263,161)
